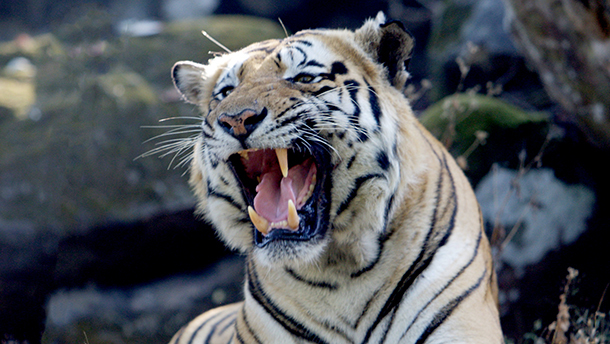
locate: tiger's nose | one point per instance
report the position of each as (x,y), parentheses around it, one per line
(242,124)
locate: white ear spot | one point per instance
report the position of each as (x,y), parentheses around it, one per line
(188,78)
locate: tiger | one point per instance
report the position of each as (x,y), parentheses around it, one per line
(356,224)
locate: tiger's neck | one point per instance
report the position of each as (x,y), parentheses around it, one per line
(339,284)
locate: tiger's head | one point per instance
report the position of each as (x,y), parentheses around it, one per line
(304,147)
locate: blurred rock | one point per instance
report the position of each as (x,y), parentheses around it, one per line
(545,213)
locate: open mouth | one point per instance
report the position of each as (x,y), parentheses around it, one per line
(287,192)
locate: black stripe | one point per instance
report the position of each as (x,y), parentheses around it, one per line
(350,161)
(249,328)
(448,204)
(446,311)
(267,49)
(213,330)
(206,135)
(289,120)
(214,193)
(314,63)
(325,285)
(352,87)
(239,338)
(354,191)
(306,43)
(214,161)
(286,110)
(405,282)
(307,33)
(338,68)
(328,326)
(280,317)
(374,102)
(299,49)
(475,254)
(388,207)
(332,107)
(224,181)
(322,90)
(389,325)
(380,243)
(190,341)
(365,309)
(383,160)
(228,325)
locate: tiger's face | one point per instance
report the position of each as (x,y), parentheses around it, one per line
(298,155)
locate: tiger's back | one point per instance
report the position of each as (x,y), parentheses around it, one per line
(357,224)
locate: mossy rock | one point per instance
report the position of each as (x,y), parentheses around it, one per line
(503,129)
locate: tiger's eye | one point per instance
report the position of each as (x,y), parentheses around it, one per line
(226,91)
(304,78)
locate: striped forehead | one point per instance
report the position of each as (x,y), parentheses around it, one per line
(301,55)
(293,55)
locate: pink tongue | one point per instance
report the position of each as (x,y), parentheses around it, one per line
(273,192)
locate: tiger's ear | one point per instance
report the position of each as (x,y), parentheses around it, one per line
(188,78)
(389,44)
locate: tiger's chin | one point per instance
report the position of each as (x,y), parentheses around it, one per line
(288,196)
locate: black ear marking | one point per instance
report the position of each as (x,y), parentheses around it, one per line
(394,50)
(389,44)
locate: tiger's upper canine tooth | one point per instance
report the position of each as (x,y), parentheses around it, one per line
(261,224)
(282,157)
(293,217)
(244,155)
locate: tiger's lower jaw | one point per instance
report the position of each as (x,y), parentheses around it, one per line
(288,194)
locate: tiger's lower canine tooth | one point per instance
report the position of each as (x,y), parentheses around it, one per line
(293,216)
(259,222)
(282,158)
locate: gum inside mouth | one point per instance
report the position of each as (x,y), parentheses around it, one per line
(278,183)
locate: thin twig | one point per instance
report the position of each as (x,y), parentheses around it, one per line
(215,41)
(283,27)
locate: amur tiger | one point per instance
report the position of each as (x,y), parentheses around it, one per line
(357,225)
